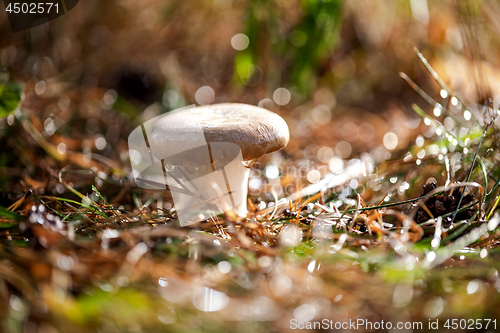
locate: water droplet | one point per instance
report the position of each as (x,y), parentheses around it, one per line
(420,141)
(209,300)
(390,141)
(224,267)
(272,172)
(305,313)
(473,286)
(467,115)
(205,95)
(313,176)
(281,96)
(437,111)
(163,282)
(290,235)
(240,42)
(434,307)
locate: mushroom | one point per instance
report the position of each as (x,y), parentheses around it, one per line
(206,151)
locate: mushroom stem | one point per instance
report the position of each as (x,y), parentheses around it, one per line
(241,193)
(225,187)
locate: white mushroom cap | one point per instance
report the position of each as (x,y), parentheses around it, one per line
(198,151)
(255,130)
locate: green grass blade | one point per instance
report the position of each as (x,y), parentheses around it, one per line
(9,214)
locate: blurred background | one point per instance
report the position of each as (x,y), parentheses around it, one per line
(329,67)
